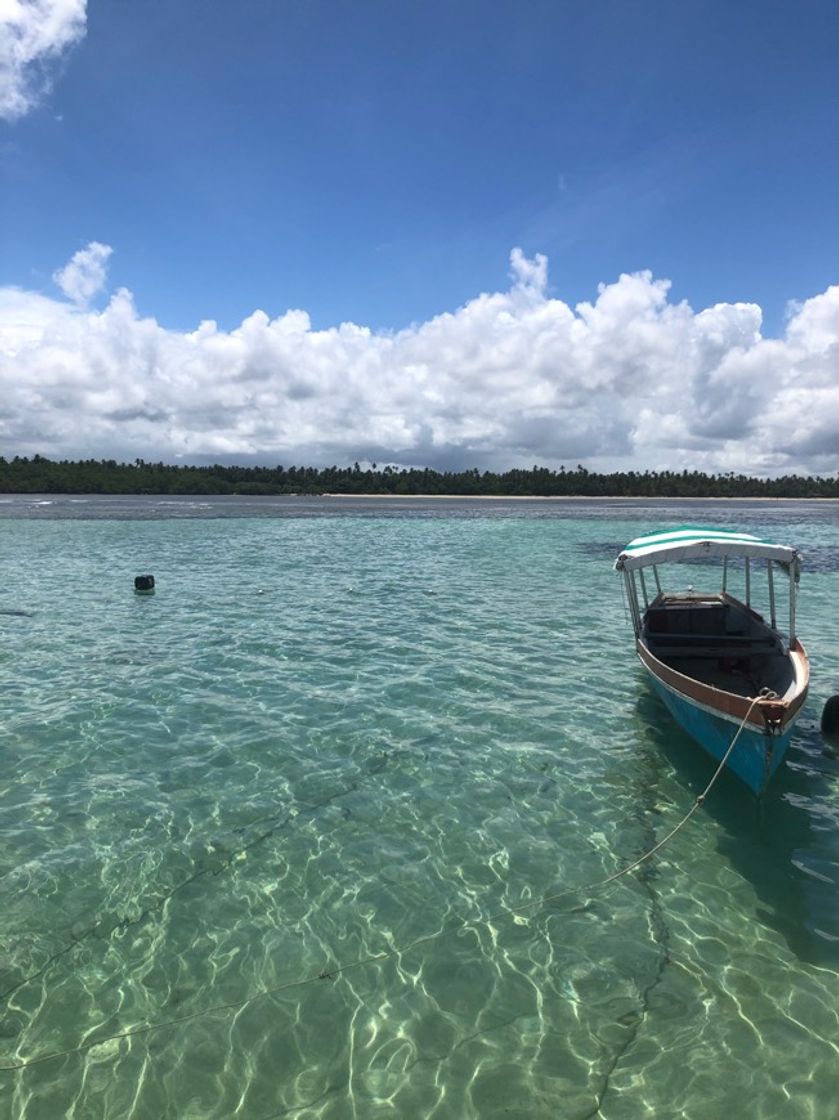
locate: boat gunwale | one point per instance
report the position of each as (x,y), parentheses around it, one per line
(729,705)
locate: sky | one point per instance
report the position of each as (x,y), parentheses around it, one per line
(446,234)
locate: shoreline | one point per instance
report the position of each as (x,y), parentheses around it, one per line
(8,495)
(564,498)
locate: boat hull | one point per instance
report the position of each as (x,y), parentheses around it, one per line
(733,680)
(757,755)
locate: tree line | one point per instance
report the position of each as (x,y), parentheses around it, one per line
(38,475)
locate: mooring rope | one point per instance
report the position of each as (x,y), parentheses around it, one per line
(378,958)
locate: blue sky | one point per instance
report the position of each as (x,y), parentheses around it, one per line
(377,162)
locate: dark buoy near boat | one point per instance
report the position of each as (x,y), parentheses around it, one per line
(144,585)
(830,724)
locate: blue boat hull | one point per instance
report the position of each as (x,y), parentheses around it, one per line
(755,758)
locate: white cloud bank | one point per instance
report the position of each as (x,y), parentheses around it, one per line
(33,34)
(511,378)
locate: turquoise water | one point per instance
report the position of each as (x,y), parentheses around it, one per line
(344,730)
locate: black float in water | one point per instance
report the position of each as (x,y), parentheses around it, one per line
(144,585)
(830,724)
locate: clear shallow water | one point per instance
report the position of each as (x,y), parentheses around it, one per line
(339,728)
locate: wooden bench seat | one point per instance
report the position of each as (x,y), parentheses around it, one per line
(729,646)
(704,639)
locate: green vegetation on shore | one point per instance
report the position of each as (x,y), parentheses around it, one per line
(91,476)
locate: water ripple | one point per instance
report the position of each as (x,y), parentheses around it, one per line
(327,739)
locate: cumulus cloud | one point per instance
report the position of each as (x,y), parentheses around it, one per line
(85,273)
(528,274)
(627,380)
(33,35)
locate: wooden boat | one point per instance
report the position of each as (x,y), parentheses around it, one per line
(710,655)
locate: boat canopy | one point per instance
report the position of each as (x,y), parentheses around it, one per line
(690,542)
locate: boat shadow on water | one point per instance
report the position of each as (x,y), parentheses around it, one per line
(785,844)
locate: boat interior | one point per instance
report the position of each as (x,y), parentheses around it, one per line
(718,640)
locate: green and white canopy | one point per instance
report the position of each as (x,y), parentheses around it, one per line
(690,542)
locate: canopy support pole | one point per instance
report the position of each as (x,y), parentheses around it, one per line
(792,590)
(632,595)
(644,588)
